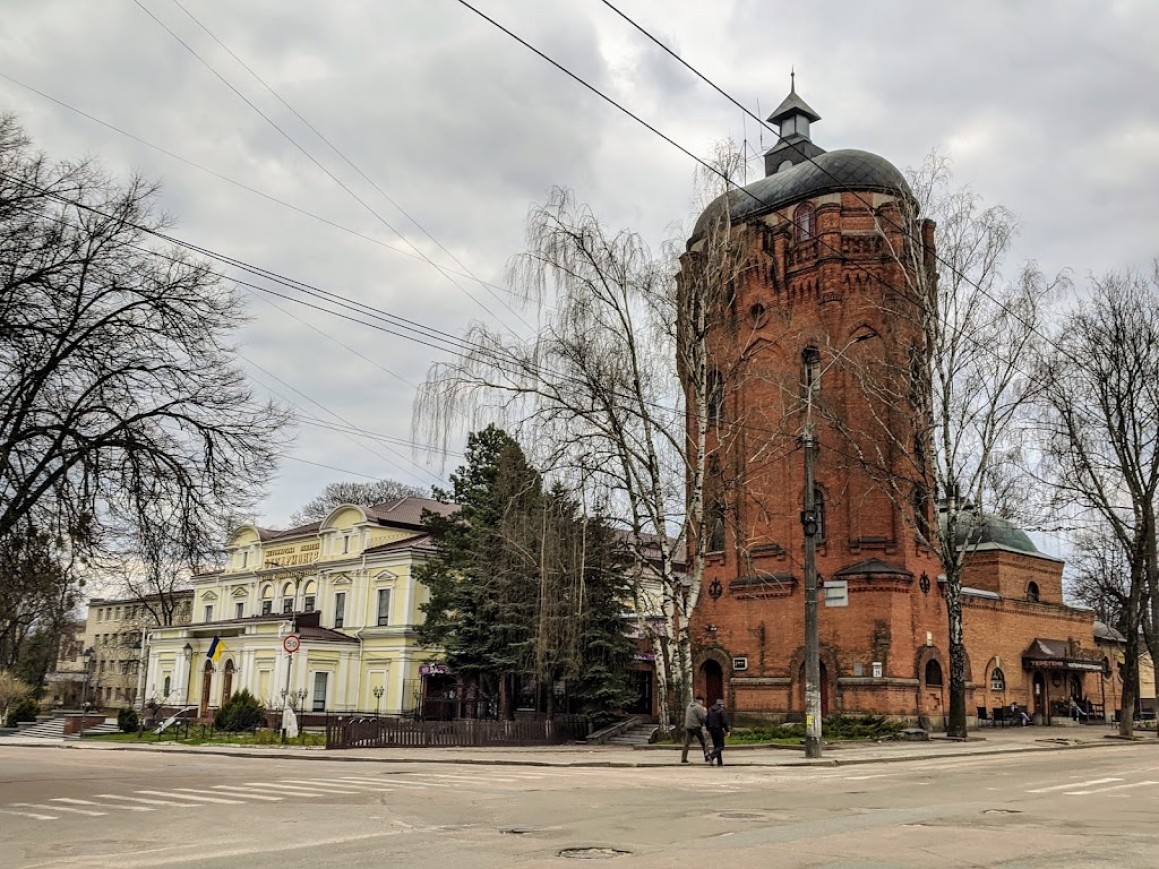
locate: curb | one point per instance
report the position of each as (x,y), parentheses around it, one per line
(321,754)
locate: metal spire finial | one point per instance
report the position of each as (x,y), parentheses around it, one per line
(792,79)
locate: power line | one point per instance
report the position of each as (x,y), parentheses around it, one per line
(341,419)
(239,184)
(907,231)
(348,161)
(315,161)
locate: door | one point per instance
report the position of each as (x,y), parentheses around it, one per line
(206,687)
(800,692)
(1041,701)
(227,682)
(713,681)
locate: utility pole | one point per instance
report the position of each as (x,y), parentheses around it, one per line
(809,526)
(812,642)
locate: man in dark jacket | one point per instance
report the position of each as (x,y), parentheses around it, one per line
(718,726)
(694,717)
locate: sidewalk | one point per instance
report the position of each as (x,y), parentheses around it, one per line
(981,743)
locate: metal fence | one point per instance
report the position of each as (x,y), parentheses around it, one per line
(367,732)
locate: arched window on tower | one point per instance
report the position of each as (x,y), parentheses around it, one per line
(715,397)
(933,674)
(716,527)
(805,218)
(1032,594)
(997,680)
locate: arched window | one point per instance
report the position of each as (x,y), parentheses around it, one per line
(805,220)
(933,674)
(715,397)
(997,680)
(1032,592)
(267,599)
(716,528)
(309,597)
(288,597)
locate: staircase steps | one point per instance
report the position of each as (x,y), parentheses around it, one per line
(640,734)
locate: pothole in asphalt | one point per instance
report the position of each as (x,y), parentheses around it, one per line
(592,853)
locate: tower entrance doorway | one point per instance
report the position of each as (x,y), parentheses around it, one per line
(824,689)
(713,681)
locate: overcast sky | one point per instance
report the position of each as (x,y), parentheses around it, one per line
(1050,108)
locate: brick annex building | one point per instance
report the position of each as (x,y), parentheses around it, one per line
(812,284)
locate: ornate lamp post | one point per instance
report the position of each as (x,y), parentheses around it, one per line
(378,692)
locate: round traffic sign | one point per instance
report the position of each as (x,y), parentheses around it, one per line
(292,643)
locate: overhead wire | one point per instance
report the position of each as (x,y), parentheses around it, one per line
(233,181)
(906,230)
(370,209)
(484,284)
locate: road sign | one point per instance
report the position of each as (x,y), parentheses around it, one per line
(292,643)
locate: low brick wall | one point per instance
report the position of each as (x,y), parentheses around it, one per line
(74,724)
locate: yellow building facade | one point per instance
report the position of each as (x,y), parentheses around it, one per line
(341,593)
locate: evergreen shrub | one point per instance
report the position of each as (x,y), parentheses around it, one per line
(243,711)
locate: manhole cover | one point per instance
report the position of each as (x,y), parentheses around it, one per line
(592,853)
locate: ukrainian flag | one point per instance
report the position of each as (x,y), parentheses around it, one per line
(216,650)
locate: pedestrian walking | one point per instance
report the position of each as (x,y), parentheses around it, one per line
(718,727)
(694,717)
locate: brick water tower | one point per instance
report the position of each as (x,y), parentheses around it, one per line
(810,317)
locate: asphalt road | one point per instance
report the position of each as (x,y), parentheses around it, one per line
(97,809)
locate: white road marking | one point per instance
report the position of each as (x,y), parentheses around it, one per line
(30,815)
(88,812)
(99,805)
(288,790)
(214,794)
(468,778)
(149,802)
(314,786)
(1138,784)
(248,792)
(867,777)
(190,796)
(1074,784)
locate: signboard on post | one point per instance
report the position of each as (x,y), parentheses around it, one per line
(292,643)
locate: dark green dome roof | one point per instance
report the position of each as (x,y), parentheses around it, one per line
(995,531)
(830,172)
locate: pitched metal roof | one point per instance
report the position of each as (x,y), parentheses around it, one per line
(793,104)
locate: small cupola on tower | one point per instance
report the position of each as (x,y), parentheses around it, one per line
(794,146)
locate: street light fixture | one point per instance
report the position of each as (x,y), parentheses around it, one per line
(810,525)
(88,655)
(378,692)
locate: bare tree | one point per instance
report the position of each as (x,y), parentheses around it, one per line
(973,334)
(352,492)
(599,391)
(118,389)
(1101,437)
(12,690)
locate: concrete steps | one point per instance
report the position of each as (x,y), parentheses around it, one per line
(640,734)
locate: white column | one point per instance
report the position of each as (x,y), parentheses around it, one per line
(403,673)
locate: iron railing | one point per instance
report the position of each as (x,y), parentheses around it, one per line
(370,732)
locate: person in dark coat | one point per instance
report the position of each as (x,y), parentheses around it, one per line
(718,727)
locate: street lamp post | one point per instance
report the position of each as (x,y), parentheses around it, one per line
(378,692)
(88,659)
(810,526)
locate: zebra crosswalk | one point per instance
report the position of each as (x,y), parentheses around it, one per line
(259,792)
